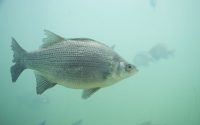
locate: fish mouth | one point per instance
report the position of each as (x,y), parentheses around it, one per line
(136,70)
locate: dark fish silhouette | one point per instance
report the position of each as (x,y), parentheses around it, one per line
(79,122)
(160,51)
(156,53)
(42,123)
(153,3)
(32,101)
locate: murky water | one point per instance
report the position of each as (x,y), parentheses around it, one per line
(166,91)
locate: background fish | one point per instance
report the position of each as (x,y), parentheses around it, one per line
(42,123)
(156,53)
(32,101)
(78,63)
(167,90)
(150,123)
(79,122)
(160,51)
(153,3)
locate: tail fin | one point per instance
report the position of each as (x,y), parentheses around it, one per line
(18,59)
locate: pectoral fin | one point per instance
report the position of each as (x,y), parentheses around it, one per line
(88,92)
(43,84)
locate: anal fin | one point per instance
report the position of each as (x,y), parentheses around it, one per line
(43,84)
(88,92)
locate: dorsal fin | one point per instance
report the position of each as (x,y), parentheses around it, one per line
(51,38)
(86,40)
(82,39)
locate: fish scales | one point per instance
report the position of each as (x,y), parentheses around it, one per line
(78,63)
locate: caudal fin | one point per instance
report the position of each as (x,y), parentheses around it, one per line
(18,59)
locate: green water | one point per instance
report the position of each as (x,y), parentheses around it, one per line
(167,92)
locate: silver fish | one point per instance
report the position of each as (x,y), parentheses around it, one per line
(78,63)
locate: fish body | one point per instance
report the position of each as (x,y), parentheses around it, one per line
(78,63)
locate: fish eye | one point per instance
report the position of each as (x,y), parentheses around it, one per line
(129,67)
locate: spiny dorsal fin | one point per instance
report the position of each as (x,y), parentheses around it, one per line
(43,84)
(51,38)
(88,92)
(83,39)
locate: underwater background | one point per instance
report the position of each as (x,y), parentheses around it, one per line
(161,37)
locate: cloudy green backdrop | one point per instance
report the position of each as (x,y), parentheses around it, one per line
(166,92)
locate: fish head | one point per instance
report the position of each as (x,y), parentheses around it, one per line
(125,70)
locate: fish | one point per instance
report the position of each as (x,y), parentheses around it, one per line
(149,123)
(77,63)
(153,3)
(154,54)
(33,101)
(160,51)
(79,122)
(142,59)
(42,123)
(146,123)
